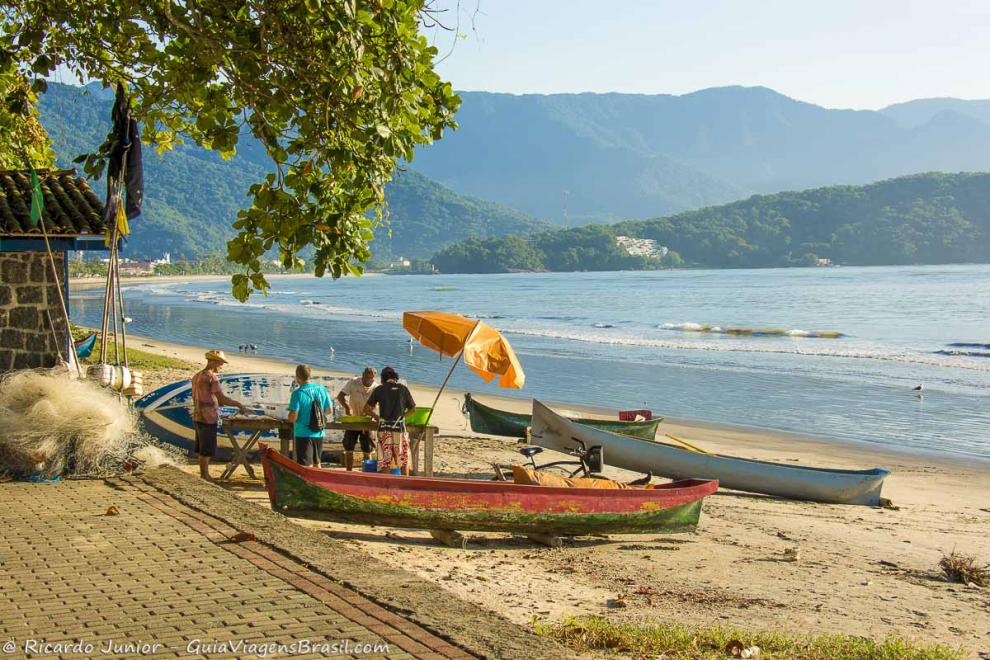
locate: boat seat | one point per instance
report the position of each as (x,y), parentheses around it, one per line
(530,451)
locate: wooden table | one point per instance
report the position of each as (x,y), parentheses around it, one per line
(258,424)
(418,436)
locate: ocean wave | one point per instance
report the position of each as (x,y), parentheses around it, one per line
(751,332)
(332,310)
(807,350)
(964,353)
(967,344)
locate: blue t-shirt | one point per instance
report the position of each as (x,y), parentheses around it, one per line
(301,402)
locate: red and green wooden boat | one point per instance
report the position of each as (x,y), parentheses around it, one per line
(467,504)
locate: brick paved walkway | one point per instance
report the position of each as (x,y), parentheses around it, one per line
(163,573)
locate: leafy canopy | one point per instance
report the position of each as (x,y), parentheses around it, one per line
(336,92)
(21,134)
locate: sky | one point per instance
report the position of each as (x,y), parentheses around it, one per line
(863,54)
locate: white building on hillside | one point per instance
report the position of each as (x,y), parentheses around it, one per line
(642,247)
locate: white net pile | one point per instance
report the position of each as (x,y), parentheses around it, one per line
(52,425)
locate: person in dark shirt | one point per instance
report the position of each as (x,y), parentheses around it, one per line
(394,401)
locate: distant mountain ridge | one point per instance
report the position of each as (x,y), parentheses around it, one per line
(567,158)
(575,158)
(929,218)
(921,111)
(192,195)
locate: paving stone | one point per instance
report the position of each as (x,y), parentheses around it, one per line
(163,573)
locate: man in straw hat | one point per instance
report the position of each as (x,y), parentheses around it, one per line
(207,399)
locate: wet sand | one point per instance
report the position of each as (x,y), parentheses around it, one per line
(862,570)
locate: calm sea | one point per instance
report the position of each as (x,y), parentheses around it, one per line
(634,340)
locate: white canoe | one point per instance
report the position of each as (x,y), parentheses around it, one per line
(792,481)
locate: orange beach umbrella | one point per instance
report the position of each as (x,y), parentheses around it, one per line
(483,348)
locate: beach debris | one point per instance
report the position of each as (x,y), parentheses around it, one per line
(450,538)
(112,511)
(617,603)
(241,537)
(886,503)
(792,554)
(965,570)
(737,649)
(54,425)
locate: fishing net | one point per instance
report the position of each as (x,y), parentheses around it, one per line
(52,425)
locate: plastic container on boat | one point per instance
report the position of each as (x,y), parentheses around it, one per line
(395,471)
(370,465)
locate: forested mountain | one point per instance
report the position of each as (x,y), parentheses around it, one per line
(616,156)
(920,219)
(192,195)
(609,157)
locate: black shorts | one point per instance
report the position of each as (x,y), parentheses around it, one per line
(309,450)
(206,439)
(351,438)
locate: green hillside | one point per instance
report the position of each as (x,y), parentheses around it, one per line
(920,219)
(192,195)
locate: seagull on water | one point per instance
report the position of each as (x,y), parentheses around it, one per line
(919,388)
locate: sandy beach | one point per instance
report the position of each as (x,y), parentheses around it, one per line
(862,571)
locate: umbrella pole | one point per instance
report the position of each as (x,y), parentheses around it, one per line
(440,391)
(450,373)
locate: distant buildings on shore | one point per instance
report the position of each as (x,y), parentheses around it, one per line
(141,266)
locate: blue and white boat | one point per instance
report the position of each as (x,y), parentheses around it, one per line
(166,413)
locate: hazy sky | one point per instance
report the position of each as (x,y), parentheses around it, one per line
(836,53)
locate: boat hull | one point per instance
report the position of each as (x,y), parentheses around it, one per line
(84,347)
(166,413)
(791,481)
(466,504)
(492,421)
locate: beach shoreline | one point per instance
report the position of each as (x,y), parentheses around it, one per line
(747,441)
(866,571)
(90,283)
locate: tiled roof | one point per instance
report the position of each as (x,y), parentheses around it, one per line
(71,206)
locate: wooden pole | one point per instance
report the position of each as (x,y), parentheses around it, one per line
(123,320)
(109,288)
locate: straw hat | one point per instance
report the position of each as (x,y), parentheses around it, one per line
(217,356)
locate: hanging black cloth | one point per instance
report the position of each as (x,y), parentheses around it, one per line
(125,139)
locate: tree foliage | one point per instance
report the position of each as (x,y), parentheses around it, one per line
(21,134)
(335,92)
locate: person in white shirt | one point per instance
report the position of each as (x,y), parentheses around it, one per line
(353,397)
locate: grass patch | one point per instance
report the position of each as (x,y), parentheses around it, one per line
(965,570)
(136,358)
(674,641)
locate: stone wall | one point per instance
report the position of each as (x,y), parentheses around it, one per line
(27,290)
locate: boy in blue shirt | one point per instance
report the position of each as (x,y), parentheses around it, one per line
(309,443)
